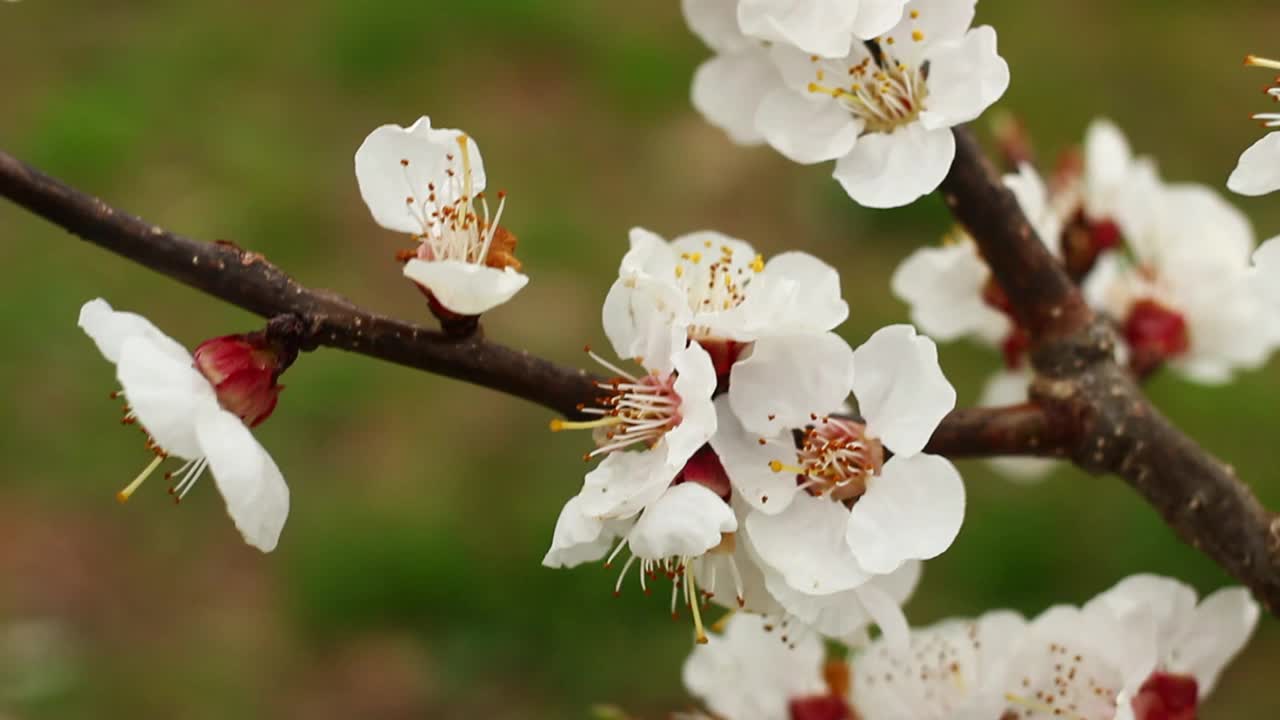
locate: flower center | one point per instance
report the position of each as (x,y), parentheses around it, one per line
(1165,696)
(455,219)
(715,281)
(835,458)
(1269,120)
(881,90)
(634,410)
(1065,684)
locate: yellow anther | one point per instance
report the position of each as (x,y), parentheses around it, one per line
(679,271)
(917,35)
(758,263)
(915,14)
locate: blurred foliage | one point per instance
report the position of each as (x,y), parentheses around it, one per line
(408,581)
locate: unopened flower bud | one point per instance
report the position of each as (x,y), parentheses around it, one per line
(244,370)
(1155,334)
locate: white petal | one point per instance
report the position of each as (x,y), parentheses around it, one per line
(578,537)
(728,90)
(466,288)
(877,17)
(901,391)
(686,521)
(746,461)
(796,293)
(783,380)
(109,329)
(648,254)
(1108,163)
(645,320)
(835,615)
(1258,171)
(251,484)
(385,183)
(748,673)
(807,129)
(887,614)
(626,481)
(821,27)
(805,544)
(709,241)
(1218,632)
(965,78)
(912,510)
(715,22)
(167,395)
(896,169)
(1266,280)
(944,286)
(695,383)
(938,21)
(1033,197)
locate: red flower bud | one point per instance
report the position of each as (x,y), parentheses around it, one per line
(1166,697)
(243,369)
(705,469)
(1154,333)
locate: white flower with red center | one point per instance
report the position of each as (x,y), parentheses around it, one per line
(196,409)
(1258,171)
(766,325)
(658,488)
(822,27)
(430,183)
(749,672)
(1143,650)
(833,511)
(885,111)
(1193,642)
(728,88)
(1076,663)
(1183,295)
(954,670)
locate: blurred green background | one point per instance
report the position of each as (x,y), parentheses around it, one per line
(408,583)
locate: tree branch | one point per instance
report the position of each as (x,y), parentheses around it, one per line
(1080,385)
(248,280)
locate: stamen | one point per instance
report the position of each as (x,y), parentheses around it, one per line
(123,496)
(691,585)
(558,424)
(1255,61)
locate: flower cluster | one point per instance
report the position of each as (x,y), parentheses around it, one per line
(727,464)
(875,85)
(1143,650)
(430,183)
(1168,262)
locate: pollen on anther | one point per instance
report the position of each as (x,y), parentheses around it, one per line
(917,35)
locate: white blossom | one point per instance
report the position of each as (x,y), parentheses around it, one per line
(766,325)
(885,111)
(1183,293)
(430,183)
(821,557)
(178,408)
